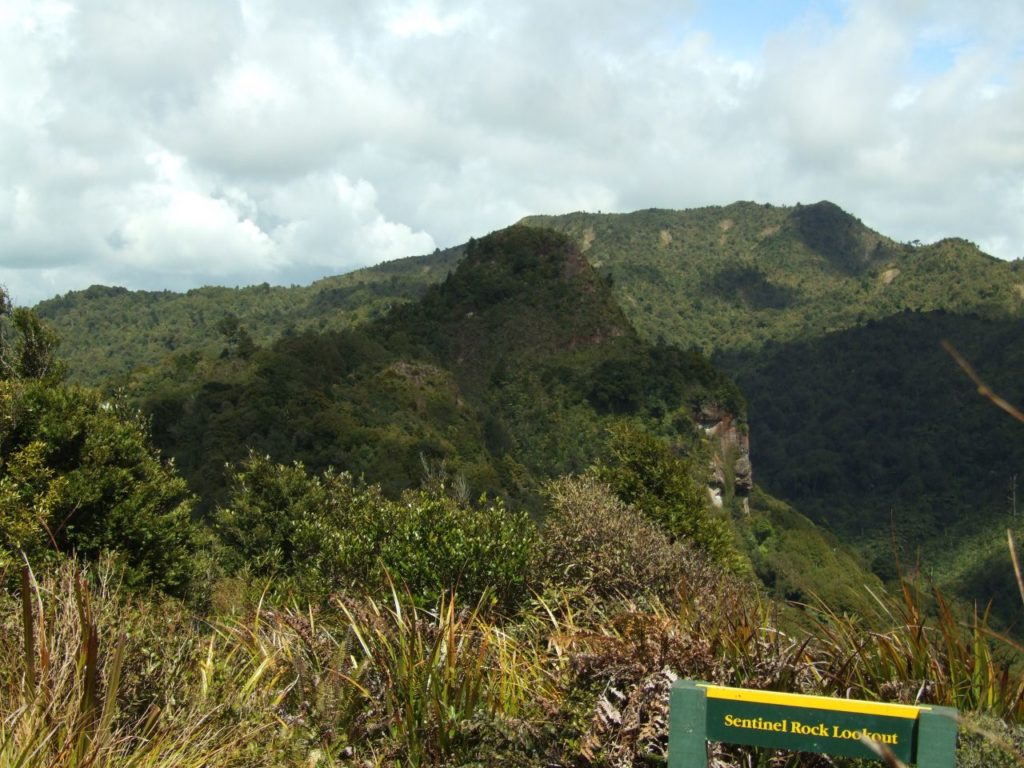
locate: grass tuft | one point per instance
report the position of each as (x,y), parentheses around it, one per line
(91,675)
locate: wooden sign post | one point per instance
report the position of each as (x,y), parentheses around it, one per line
(700,712)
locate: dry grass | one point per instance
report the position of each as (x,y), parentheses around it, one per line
(68,687)
(90,676)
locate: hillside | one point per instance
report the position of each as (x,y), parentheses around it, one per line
(329,616)
(874,432)
(109,332)
(783,298)
(736,277)
(719,278)
(510,365)
(513,371)
(857,416)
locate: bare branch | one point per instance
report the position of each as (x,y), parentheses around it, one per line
(983,389)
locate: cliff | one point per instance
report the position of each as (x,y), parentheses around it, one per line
(732,474)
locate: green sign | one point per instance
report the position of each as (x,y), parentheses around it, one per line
(700,712)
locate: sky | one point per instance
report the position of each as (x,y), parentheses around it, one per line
(234,142)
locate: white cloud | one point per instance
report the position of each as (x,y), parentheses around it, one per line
(332,223)
(173,145)
(423,20)
(173,225)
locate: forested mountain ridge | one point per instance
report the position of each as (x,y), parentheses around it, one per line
(857,415)
(720,278)
(515,370)
(108,331)
(784,298)
(522,350)
(738,276)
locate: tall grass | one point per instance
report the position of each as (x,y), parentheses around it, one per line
(427,672)
(62,700)
(90,676)
(922,658)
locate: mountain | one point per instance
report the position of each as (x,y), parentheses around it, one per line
(512,365)
(831,329)
(736,277)
(108,332)
(512,371)
(719,278)
(857,416)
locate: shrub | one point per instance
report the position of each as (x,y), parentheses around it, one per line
(321,531)
(436,544)
(646,473)
(78,475)
(329,532)
(594,541)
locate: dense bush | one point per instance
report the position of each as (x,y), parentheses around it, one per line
(593,541)
(78,476)
(282,520)
(644,471)
(330,531)
(436,543)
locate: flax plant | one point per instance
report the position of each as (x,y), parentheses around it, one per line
(433,671)
(920,659)
(62,691)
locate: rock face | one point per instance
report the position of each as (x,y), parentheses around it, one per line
(731,470)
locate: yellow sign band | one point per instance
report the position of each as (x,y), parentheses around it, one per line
(882,709)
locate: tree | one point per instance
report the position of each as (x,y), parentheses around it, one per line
(237,341)
(28,347)
(281,520)
(591,540)
(644,472)
(329,531)
(78,475)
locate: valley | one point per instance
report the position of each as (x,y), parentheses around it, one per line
(831,330)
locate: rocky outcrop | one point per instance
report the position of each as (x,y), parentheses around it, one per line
(731,471)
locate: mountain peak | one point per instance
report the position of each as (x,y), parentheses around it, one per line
(521,259)
(520,292)
(842,239)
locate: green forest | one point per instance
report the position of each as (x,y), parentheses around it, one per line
(484,506)
(773,296)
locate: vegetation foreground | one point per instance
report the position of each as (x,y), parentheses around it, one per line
(92,675)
